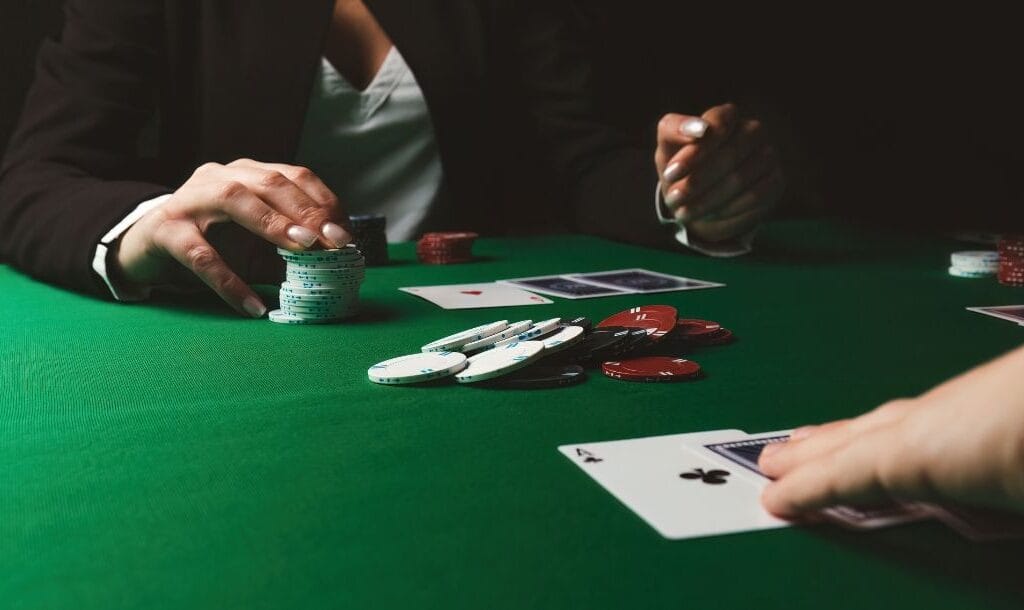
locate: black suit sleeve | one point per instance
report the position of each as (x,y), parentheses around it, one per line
(612,183)
(73,168)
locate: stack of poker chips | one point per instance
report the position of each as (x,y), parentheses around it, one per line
(321,286)
(446,248)
(1011,260)
(370,236)
(974,263)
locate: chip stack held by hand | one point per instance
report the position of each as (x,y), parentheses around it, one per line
(321,286)
(641,344)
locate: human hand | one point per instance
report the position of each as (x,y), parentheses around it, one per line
(285,205)
(719,176)
(961,442)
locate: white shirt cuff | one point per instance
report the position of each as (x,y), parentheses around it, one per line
(99,259)
(734,247)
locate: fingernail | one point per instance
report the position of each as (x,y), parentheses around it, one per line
(254,307)
(335,234)
(671,172)
(682,214)
(301,235)
(673,197)
(801,433)
(694,128)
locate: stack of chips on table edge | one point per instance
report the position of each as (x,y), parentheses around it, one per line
(321,286)
(446,248)
(1011,260)
(629,346)
(369,234)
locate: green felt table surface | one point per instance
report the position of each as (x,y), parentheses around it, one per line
(174,455)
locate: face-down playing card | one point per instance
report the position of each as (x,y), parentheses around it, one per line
(681,494)
(745,450)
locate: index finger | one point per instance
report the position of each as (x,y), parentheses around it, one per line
(306,180)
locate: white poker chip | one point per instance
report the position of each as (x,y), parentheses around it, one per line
(513,329)
(295,289)
(968,257)
(323,277)
(349,251)
(538,329)
(958,272)
(308,284)
(281,317)
(353,264)
(461,338)
(566,337)
(318,308)
(417,368)
(500,361)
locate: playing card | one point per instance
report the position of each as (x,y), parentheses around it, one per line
(744,450)
(564,286)
(473,296)
(1013,313)
(642,281)
(678,493)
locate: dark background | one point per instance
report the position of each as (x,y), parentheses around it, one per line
(897,117)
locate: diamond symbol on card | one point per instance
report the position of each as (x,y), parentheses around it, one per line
(711,477)
(475,293)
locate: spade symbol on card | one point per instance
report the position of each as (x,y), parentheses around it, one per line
(711,477)
(588,457)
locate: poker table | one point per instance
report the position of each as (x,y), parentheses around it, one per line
(173,454)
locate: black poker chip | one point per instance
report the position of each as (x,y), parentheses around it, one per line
(638,339)
(540,376)
(604,343)
(369,234)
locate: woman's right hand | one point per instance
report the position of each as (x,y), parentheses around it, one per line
(285,205)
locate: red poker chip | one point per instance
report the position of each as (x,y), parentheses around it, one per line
(652,369)
(720,338)
(657,320)
(689,328)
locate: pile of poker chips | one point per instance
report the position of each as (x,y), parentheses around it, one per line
(321,286)
(1011,260)
(630,346)
(446,248)
(487,353)
(369,234)
(974,263)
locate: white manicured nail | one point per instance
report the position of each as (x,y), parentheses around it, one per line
(301,235)
(673,197)
(694,128)
(671,172)
(335,234)
(254,307)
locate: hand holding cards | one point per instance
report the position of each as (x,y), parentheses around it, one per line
(708,483)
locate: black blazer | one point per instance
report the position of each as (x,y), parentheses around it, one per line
(137,93)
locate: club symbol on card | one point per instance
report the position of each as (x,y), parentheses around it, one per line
(588,457)
(711,477)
